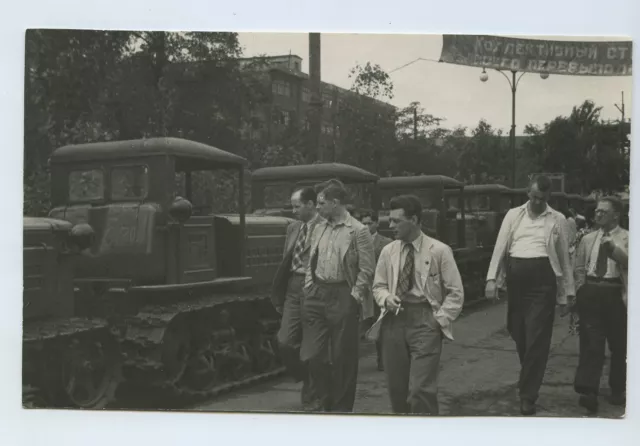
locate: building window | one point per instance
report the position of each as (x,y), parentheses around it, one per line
(327,99)
(280,87)
(306,95)
(297,66)
(282,117)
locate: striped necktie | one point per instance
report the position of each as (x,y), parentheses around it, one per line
(297,263)
(406,274)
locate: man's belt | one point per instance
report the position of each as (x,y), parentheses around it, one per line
(604,281)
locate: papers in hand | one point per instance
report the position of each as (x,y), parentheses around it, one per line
(373,333)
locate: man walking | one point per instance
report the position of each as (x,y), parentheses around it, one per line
(601,283)
(418,286)
(370,219)
(287,295)
(337,289)
(532,252)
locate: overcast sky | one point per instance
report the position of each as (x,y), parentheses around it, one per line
(449,91)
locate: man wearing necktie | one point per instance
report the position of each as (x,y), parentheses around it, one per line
(601,283)
(419,289)
(532,254)
(288,283)
(337,292)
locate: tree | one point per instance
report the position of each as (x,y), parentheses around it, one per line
(365,124)
(486,157)
(588,150)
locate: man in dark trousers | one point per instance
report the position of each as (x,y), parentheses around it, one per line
(601,272)
(532,252)
(337,291)
(418,285)
(370,219)
(287,292)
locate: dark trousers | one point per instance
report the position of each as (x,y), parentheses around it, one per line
(603,318)
(330,345)
(531,288)
(411,347)
(290,334)
(376,315)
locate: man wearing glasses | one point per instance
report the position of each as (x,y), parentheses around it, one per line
(601,282)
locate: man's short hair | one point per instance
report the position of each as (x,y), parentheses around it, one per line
(335,191)
(332,182)
(410,204)
(369,213)
(543,182)
(307,194)
(615,202)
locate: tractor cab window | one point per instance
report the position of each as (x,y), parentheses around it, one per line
(86,185)
(360,195)
(428,197)
(129,183)
(278,196)
(212,192)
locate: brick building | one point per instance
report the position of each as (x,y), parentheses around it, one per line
(290,98)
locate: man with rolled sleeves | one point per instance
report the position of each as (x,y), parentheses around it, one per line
(287,295)
(418,286)
(370,219)
(601,272)
(532,254)
(337,291)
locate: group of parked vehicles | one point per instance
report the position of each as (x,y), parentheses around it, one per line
(128,284)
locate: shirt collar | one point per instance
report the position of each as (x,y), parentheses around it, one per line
(314,220)
(417,243)
(346,219)
(614,231)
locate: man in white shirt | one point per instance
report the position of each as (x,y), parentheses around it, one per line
(532,254)
(601,283)
(418,286)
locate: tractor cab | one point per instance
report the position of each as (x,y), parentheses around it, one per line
(271,187)
(148,234)
(519,196)
(443,215)
(559,201)
(485,208)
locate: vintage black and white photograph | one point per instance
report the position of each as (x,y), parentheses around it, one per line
(408,224)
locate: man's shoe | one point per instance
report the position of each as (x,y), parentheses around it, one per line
(618,399)
(527,408)
(589,402)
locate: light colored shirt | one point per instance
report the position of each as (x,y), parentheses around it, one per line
(417,292)
(330,268)
(529,239)
(305,254)
(613,272)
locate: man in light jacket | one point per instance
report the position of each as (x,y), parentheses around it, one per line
(337,293)
(602,262)
(532,254)
(418,286)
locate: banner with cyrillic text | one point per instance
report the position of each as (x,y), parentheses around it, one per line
(609,58)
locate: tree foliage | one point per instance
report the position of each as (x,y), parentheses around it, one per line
(592,153)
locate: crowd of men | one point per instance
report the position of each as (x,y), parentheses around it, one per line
(338,272)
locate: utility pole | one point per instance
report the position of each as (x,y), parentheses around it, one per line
(622,122)
(315,104)
(415,123)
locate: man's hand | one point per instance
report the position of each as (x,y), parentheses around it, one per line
(279,310)
(491,291)
(393,303)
